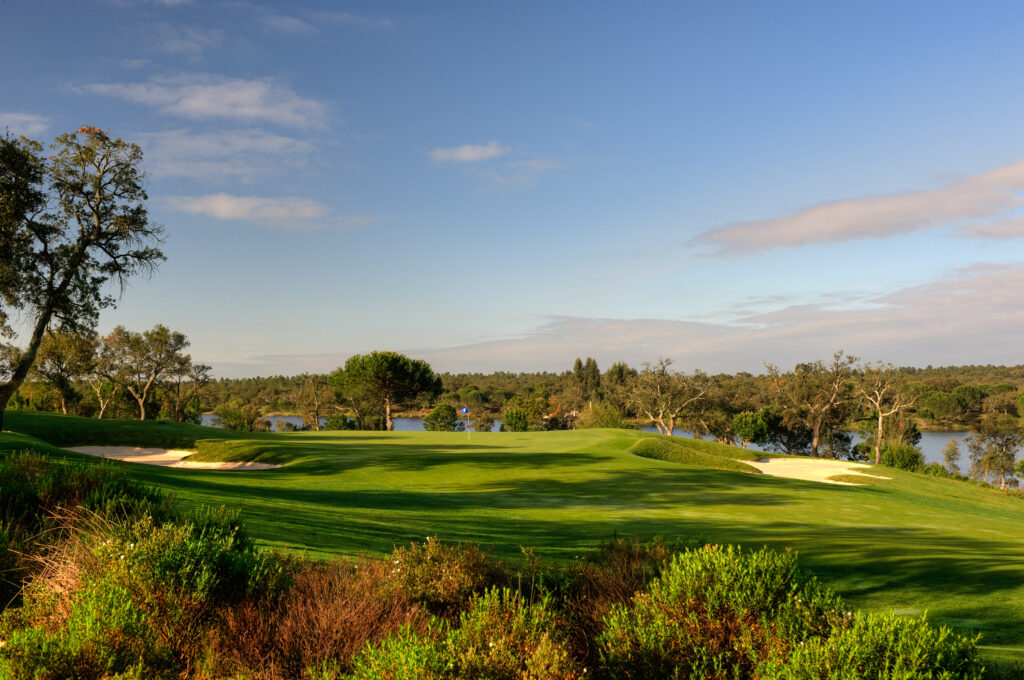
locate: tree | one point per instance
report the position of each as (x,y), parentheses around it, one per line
(61,360)
(751,428)
(883,389)
(662,394)
(312,399)
(514,419)
(951,456)
(185,383)
(993,448)
(443,418)
(384,380)
(71,223)
(136,361)
(815,395)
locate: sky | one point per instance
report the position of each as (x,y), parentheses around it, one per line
(508,186)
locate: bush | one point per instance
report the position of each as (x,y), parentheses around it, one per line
(598,414)
(332,611)
(443,418)
(443,577)
(500,638)
(902,456)
(880,647)
(515,420)
(936,470)
(717,613)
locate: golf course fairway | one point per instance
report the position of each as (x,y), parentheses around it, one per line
(911,543)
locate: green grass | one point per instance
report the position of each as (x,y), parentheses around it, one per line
(912,543)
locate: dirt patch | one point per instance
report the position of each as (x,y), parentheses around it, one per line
(163,457)
(812,469)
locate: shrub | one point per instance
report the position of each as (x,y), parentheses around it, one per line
(332,611)
(104,633)
(443,418)
(716,612)
(599,414)
(936,470)
(403,656)
(902,456)
(880,647)
(502,637)
(443,577)
(515,420)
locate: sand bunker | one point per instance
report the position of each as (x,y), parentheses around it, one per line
(163,457)
(811,469)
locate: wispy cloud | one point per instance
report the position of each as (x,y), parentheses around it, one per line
(205,96)
(914,326)
(287,25)
(986,195)
(469,153)
(190,41)
(1012,227)
(231,154)
(28,124)
(349,18)
(292,213)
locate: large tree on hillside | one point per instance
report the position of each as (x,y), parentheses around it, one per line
(815,395)
(384,380)
(71,223)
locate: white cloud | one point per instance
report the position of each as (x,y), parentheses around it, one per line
(353,19)
(986,195)
(188,40)
(204,96)
(287,25)
(291,213)
(28,124)
(232,154)
(973,316)
(469,153)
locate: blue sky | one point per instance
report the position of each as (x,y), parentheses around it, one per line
(509,186)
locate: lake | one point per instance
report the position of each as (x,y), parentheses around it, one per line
(931,444)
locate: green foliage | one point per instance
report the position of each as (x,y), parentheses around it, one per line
(443,577)
(242,417)
(902,456)
(951,456)
(717,612)
(443,418)
(502,637)
(105,633)
(883,647)
(598,414)
(402,656)
(936,470)
(751,428)
(515,420)
(375,383)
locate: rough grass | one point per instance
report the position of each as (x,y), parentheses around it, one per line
(912,543)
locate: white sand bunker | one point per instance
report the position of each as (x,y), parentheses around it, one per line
(163,457)
(811,469)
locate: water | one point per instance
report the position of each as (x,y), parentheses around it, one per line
(931,444)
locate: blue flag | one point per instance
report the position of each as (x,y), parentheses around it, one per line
(465,410)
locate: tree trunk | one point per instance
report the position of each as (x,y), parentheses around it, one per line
(142,407)
(814,440)
(389,424)
(878,440)
(8,389)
